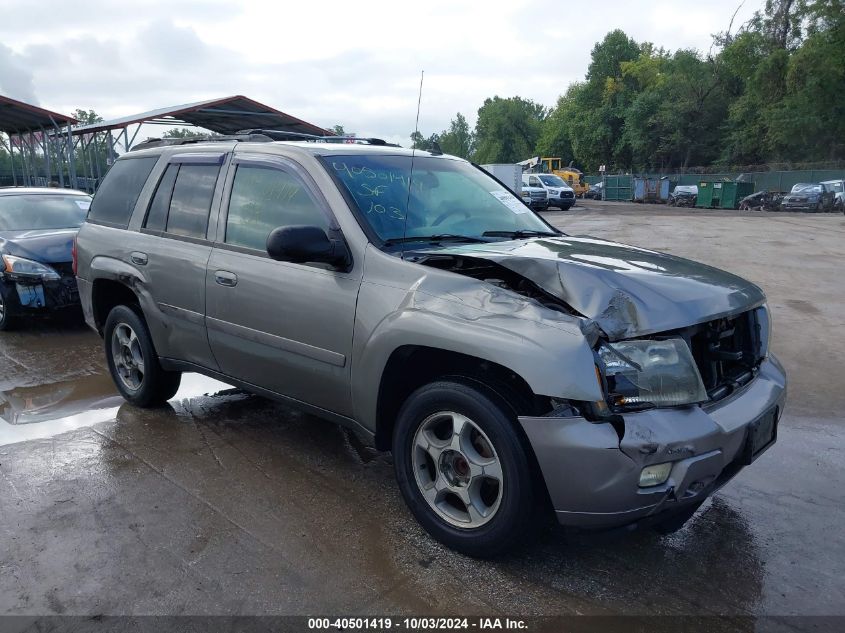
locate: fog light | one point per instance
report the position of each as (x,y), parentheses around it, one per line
(655,474)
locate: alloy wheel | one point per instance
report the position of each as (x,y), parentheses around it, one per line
(457,469)
(127,355)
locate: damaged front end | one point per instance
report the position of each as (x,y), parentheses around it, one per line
(681,353)
(32,292)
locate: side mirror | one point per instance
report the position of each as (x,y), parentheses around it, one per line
(301,244)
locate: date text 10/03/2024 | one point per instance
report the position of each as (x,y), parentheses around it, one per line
(416,624)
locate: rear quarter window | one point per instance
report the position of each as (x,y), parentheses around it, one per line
(115,199)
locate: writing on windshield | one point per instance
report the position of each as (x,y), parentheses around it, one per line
(440,196)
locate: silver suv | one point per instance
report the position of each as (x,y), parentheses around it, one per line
(512,369)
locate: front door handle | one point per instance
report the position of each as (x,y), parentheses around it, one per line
(139,258)
(225,278)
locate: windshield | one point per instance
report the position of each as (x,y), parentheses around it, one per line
(552,181)
(446,197)
(28,212)
(806,188)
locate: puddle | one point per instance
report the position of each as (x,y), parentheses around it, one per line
(28,413)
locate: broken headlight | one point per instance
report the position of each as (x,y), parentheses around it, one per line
(645,373)
(21,266)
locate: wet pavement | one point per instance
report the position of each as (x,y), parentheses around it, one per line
(226,503)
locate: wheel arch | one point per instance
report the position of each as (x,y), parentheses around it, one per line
(428,364)
(114,282)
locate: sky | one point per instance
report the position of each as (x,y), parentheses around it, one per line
(353,63)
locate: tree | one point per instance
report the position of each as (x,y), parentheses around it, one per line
(183,132)
(340,131)
(507,130)
(86,117)
(597,107)
(786,79)
(556,132)
(418,141)
(458,140)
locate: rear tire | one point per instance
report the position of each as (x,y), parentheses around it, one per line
(463,468)
(133,361)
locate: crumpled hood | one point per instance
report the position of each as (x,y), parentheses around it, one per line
(627,291)
(46,246)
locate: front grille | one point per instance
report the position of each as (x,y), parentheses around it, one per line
(728,351)
(567,194)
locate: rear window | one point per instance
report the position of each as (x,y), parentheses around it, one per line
(117,195)
(32,212)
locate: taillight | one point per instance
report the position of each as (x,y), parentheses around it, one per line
(73,255)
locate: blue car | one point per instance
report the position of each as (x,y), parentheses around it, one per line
(37,228)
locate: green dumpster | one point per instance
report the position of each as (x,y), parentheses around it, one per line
(618,187)
(709,194)
(733,192)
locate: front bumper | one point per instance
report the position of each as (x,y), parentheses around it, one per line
(800,206)
(592,476)
(29,295)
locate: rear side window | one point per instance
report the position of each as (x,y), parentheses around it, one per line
(115,199)
(264,199)
(182,200)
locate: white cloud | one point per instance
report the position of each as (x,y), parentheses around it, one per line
(356,64)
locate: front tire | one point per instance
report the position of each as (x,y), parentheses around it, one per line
(7,321)
(463,468)
(133,361)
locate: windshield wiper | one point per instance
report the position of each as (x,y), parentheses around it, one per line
(520,233)
(442,237)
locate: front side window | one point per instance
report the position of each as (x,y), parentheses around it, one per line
(115,199)
(191,200)
(534,182)
(32,212)
(264,199)
(443,196)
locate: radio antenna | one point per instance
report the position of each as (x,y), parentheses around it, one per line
(413,155)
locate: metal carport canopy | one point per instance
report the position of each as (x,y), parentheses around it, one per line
(17,117)
(224,116)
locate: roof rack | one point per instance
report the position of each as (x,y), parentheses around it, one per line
(259,136)
(166,142)
(281,135)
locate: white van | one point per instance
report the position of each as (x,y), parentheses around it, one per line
(561,195)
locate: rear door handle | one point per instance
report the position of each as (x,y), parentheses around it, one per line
(139,258)
(225,278)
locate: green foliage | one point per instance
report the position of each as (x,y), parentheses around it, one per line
(771,91)
(459,139)
(507,130)
(86,117)
(418,141)
(183,132)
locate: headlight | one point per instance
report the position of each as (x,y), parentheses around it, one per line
(656,373)
(21,266)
